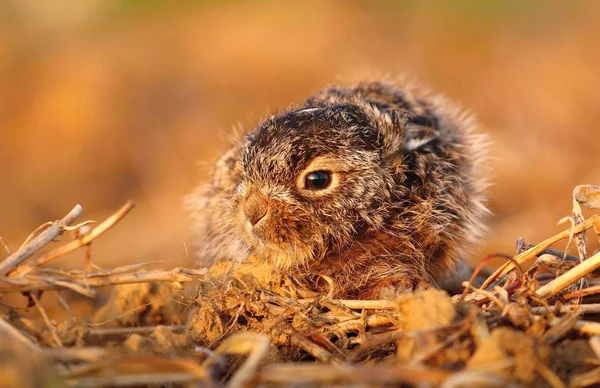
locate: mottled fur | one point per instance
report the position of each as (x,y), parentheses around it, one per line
(406,206)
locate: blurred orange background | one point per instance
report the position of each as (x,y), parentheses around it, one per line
(104,101)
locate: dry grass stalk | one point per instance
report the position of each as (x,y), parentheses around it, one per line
(3,245)
(592,308)
(127,331)
(138,370)
(78,243)
(319,374)
(531,253)
(134,380)
(584,292)
(55,338)
(89,354)
(255,345)
(588,379)
(360,304)
(10,331)
(82,284)
(40,241)
(574,274)
(588,328)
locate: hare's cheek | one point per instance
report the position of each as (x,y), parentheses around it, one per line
(262,233)
(271,232)
(277,230)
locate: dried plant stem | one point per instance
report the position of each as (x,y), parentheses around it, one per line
(377,340)
(5,246)
(311,348)
(478,378)
(539,248)
(80,283)
(40,241)
(360,304)
(487,294)
(428,353)
(593,308)
(254,345)
(316,374)
(49,325)
(559,327)
(138,370)
(587,379)
(579,293)
(547,374)
(594,343)
(9,330)
(348,303)
(137,380)
(125,268)
(588,328)
(569,277)
(35,232)
(125,331)
(89,354)
(80,242)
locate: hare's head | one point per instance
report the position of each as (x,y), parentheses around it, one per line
(314,178)
(373,179)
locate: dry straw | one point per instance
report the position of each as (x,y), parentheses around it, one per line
(505,332)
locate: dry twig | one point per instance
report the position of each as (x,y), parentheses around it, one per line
(81,283)
(40,241)
(78,243)
(571,276)
(10,331)
(320,374)
(538,249)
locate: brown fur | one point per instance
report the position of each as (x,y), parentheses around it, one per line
(405,204)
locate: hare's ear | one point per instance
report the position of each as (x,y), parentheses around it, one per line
(418,131)
(402,132)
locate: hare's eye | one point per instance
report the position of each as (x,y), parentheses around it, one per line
(317,180)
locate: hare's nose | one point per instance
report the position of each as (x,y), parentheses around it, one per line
(255,208)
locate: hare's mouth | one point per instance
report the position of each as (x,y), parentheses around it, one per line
(271,241)
(265,235)
(282,255)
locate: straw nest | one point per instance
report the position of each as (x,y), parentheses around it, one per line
(531,323)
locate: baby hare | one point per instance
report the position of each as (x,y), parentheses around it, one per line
(380,188)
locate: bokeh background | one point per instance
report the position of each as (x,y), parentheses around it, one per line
(103,101)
